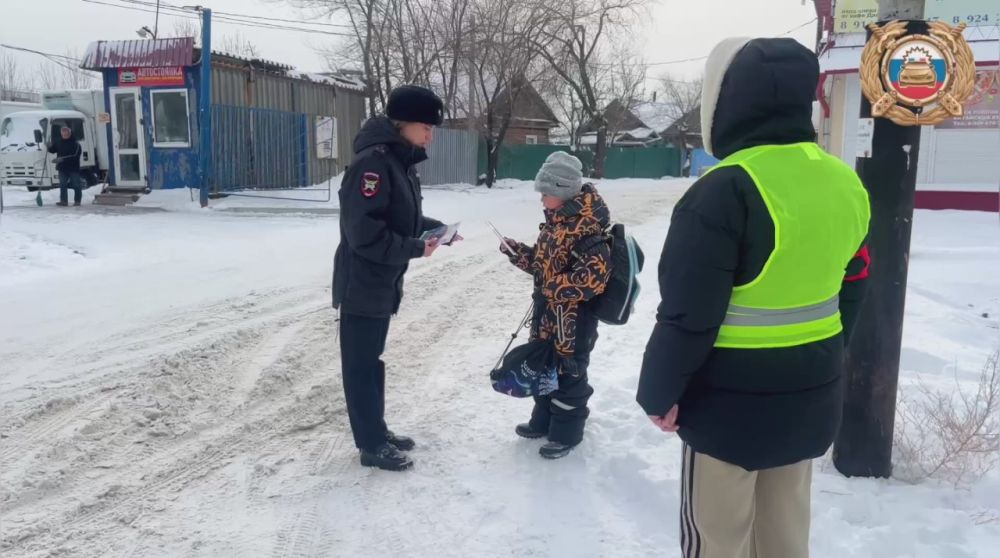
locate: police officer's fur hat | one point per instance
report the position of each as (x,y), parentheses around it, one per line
(410,103)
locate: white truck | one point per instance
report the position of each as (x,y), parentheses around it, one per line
(10,107)
(24,159)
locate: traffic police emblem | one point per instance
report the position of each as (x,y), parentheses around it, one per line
(917,79)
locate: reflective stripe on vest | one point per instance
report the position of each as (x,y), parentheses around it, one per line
(820,213)
(746,316)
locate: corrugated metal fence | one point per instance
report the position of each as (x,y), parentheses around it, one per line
(453,156)
(259,149)
(249,88)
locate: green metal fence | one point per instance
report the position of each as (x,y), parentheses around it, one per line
(522,161)
(642,162)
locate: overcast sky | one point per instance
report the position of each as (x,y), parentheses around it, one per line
(675,29)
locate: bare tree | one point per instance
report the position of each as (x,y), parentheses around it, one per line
(238,45)
(398,41)
(575,44)
(185,27)
(455,21)
(624,83)
(557,93)
(953,436)
(64,73)
(503,64)
(11,78)
(683,100)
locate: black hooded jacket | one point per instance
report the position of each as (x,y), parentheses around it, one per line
(68,152)
(381,220)
(756,408)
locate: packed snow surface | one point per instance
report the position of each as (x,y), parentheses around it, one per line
(170,386)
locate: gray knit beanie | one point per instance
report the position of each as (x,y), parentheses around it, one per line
(561,176)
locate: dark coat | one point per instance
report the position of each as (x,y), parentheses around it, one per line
(381,220)
(562,282)
(758,408)
(68,154)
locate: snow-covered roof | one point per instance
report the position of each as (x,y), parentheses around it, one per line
(640,133)
(656,115)
(638,136)
(331,78)
(142,53)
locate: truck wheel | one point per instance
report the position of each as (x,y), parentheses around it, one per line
(32,188)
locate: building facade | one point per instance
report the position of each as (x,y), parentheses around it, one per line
(271,126)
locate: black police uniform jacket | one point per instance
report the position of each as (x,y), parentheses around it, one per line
(381,220)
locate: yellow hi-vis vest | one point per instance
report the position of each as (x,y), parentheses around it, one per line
(820,212)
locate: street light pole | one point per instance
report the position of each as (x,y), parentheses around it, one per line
(156,23)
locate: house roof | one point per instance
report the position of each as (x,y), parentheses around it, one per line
(181,51)
(529,106)
(142,53)
(655,115)
(336,79)
(530,109)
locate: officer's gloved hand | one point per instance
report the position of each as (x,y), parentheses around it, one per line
(568,367)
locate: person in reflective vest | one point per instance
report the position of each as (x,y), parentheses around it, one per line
(761,278)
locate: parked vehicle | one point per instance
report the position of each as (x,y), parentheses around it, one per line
(10,107)
(24,160)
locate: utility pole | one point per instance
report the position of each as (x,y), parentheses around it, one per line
(864,445)
(205,105)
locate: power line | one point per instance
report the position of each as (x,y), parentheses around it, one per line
(699,58)
(54,58)
(794,29)
(45,54)
(239,15)
(180,12)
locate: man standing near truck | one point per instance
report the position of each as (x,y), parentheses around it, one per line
(68,152)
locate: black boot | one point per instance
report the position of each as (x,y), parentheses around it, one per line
(387,458)
(402,443)
(525,431)
(555,450)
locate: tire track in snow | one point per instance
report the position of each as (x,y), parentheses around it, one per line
(18,445)
(187,326)
(193,459)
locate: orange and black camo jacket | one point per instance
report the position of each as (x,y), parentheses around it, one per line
(563,281)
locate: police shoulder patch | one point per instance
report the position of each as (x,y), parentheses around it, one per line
(370,182)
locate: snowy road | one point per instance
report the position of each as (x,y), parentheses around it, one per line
(169,386)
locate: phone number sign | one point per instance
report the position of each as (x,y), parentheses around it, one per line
(969,12)
(851,16)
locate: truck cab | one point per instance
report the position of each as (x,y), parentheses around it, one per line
(24,157)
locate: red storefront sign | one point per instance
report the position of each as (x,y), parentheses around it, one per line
(150,77)
(982,109)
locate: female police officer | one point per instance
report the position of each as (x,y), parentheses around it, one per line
(381,221)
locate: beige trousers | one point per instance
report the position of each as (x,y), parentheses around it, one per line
(729,512)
